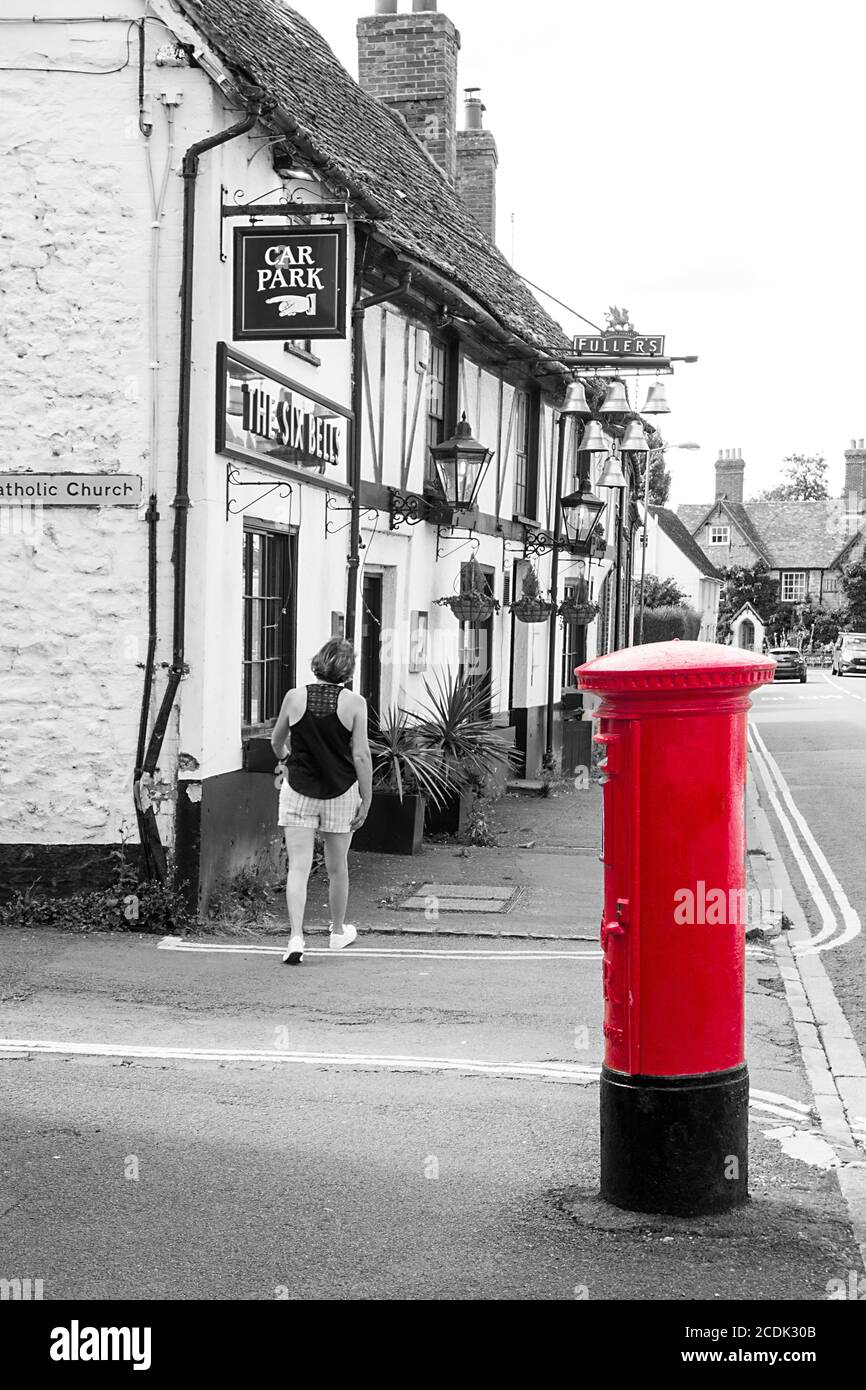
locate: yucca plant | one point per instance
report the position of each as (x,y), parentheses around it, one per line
(403,763)
(456,729)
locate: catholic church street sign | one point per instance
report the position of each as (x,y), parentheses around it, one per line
(290,282)
(70,490)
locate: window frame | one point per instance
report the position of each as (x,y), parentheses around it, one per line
(725,539)
(793,574)
(526,492)
(286,655)
(446,423)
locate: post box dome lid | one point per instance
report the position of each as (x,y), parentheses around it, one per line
(676,666)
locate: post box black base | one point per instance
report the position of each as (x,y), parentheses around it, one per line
(677,1146)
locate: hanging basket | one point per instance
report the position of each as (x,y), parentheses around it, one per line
(473,604)
(531,607)
(580,613)
(470,607)
(532,610)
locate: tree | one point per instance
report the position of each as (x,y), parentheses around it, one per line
(805,480)
(660,478)
(662,593)
(854,587)
(747,584)
(819,625)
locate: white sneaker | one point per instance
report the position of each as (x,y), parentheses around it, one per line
(295,951)
(344,939)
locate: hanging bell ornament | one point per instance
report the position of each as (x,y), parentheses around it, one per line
(634,440)
(594,440)
(616,401)
(613,475)
(656,401)
(575,400)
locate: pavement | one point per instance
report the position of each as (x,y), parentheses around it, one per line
(546,849)
(416,1117)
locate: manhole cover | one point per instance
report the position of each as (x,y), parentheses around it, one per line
(461,897)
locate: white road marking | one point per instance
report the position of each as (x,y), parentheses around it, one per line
(553,1071)
(853,925)
(173,943)
(808,1147)
(844,689)
(773,1096)
(828,917)
(570,1072)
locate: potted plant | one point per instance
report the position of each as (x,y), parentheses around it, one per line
(531,607)
(456,729)
(407,777)
(473,604)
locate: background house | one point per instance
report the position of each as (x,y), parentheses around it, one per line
(804,544)
(673,553)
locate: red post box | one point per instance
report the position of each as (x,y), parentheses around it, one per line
(674,1085)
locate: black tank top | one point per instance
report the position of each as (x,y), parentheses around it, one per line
(320,763)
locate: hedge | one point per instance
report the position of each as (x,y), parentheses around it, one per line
(664,624)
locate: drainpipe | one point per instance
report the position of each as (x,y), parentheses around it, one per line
(359,309)
(154,852)
(554,585)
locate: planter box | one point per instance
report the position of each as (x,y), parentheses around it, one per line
(450,819)
(392,826)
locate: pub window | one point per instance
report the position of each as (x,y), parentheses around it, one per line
(526,454)
(269,592)
(793,586)
(436,378)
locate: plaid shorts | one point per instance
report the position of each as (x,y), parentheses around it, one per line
(332,817)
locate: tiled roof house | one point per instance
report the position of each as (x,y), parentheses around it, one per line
(359,142)
(804,544)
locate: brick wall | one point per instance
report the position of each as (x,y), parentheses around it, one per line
(477,160)
(410,62)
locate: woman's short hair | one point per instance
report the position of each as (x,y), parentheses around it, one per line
(334,662)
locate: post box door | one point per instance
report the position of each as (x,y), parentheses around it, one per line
(620,940)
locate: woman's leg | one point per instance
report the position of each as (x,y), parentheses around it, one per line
(336,863)
(299,848)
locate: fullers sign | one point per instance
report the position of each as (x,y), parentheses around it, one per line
(620,345)
(264,416)
(290,283)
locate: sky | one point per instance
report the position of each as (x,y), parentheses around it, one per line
(701,164)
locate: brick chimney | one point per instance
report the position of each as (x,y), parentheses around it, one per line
(855,476)
(730,468)
(409,61)
(477,160)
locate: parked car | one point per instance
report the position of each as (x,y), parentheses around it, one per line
(849,654)
(790,664)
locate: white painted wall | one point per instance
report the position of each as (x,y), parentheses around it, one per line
(665,560)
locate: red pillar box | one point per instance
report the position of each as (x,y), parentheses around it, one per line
(674,1085)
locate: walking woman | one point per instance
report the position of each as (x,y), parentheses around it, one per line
(321,733)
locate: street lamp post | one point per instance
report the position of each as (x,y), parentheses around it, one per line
(651,457)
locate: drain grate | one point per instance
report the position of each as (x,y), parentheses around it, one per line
(461,897)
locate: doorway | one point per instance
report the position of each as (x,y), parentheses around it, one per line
(476,644)
(371,646)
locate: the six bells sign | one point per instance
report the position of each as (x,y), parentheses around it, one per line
(290,282)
